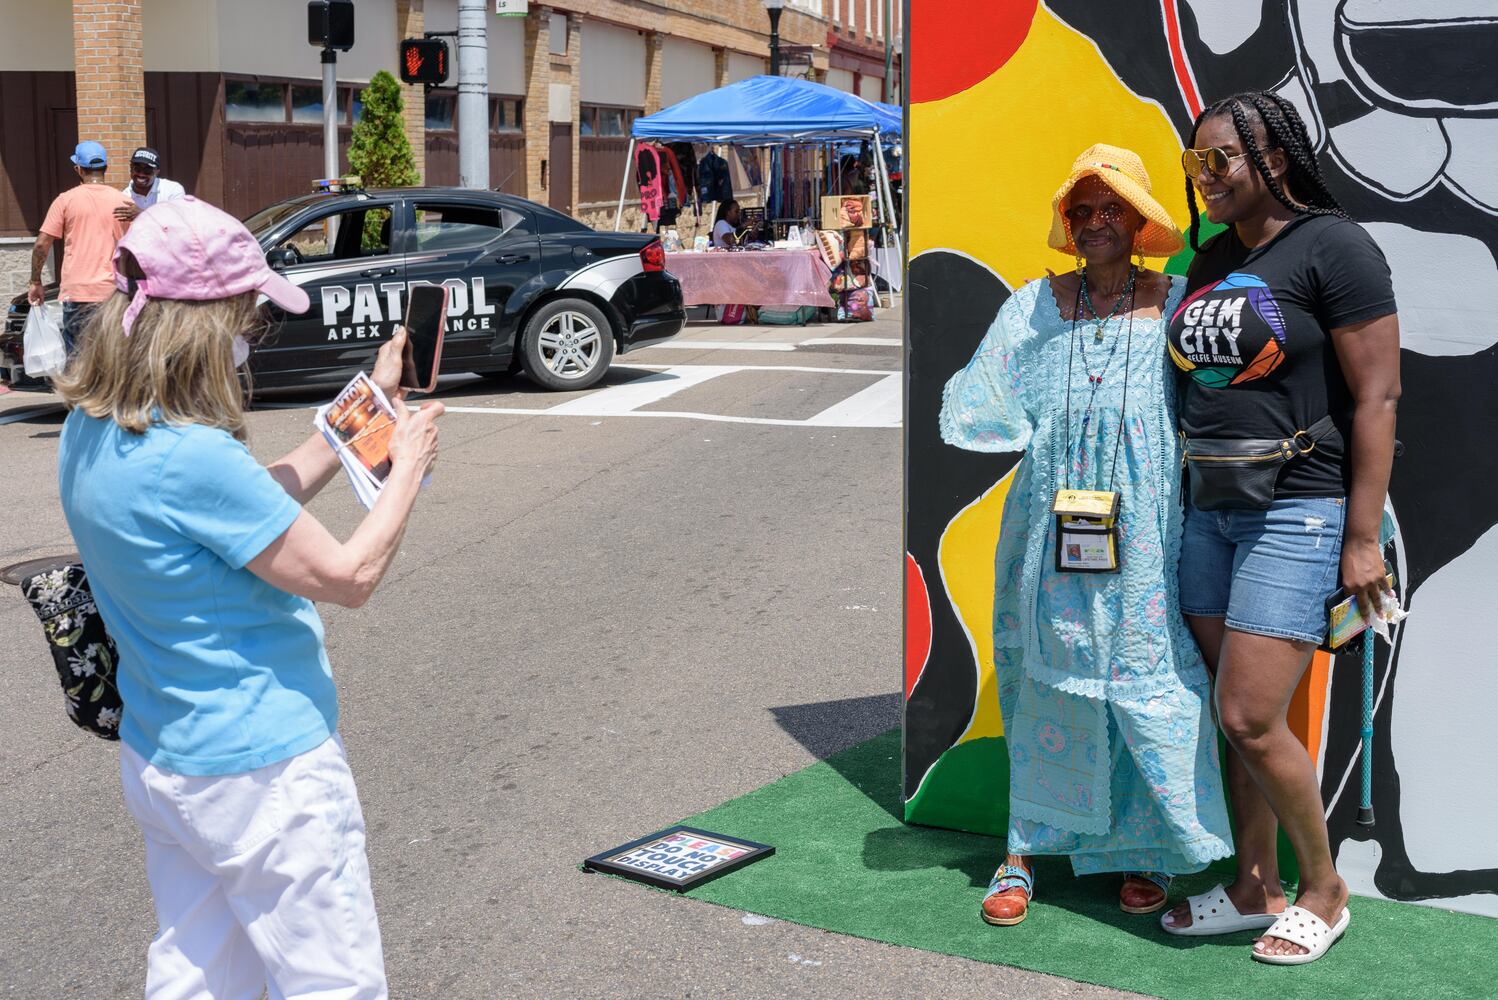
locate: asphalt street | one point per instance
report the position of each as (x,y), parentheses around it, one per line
(606,607)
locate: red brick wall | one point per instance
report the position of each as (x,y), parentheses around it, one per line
(110,78)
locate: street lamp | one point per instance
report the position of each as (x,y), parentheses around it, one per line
(774,7)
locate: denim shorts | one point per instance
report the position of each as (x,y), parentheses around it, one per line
(1268,572)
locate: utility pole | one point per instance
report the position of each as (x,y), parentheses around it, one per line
(889,52)
(329,113)
(473,95)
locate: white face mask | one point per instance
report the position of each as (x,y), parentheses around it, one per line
(241,349)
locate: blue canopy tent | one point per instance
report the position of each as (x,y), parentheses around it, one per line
(769,111)
(775,111)
(764,110)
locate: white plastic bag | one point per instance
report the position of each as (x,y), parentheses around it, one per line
(45,352)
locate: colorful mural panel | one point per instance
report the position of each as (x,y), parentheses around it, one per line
(1404,109)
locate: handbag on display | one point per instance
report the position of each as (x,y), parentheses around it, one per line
(82,652)
(856,306)
(856,244)
(851,275)
(830,245)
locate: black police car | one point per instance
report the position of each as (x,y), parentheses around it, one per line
(531,289)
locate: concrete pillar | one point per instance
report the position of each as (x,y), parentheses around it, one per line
(410,22)
(111,79)
(575,78)
(537,99)
(655,44)
(720,68)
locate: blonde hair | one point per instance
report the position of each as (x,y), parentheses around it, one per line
(175,367)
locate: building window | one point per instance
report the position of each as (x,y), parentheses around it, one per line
(306,105)
(868,16)
(602,122)
(506,115)
(252,101)
(440,112)
(558,34)
(286,101)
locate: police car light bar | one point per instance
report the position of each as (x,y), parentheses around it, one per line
(335,185)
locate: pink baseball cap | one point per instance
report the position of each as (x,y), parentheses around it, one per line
(190,250)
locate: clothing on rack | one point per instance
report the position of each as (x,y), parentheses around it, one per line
(713,181)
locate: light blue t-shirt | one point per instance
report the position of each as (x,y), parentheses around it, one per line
(220,672)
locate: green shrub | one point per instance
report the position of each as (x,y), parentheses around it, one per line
(378,151)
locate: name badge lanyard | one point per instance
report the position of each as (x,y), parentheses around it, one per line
(1087,520)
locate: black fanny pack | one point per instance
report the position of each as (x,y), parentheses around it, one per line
(1240,473)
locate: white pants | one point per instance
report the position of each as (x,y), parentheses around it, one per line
(260,881)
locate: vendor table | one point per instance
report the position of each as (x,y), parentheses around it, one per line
(752,277)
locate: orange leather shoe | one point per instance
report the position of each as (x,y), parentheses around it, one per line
(1008,898)
(1144,892)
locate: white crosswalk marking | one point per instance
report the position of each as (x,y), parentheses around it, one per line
(877,406)
(640,392)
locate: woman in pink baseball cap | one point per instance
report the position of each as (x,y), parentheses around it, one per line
(205,565)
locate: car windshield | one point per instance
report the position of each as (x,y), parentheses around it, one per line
(267,218)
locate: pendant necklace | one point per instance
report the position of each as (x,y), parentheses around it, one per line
(1124,296)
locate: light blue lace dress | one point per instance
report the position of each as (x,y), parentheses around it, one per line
(1104,695)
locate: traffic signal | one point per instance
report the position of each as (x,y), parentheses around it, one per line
(330,24)
(423,60)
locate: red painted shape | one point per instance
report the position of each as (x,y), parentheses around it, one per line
(955,44)
(1178,63)
(917,623)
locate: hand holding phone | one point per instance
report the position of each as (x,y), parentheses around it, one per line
(426,321)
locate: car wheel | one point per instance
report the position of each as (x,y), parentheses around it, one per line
(568,344)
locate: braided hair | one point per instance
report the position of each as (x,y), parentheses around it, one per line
(1283,129)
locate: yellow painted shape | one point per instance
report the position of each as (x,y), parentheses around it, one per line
(990,159)
(966,555)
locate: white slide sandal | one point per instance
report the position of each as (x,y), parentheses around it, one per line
(1213,912)
(1304,928)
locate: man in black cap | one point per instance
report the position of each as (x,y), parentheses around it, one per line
(146,187)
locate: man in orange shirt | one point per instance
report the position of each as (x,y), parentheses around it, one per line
(89,219)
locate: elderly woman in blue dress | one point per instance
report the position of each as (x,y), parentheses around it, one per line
(1104,695)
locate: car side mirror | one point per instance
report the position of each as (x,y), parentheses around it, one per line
(282,257)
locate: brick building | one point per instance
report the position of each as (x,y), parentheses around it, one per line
(230,91)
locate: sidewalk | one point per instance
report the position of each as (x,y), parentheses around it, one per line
(886,330)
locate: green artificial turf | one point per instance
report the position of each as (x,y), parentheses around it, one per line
(845,862)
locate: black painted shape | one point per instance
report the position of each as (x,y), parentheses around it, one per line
(1131,36)
(1397,65)
(952,302)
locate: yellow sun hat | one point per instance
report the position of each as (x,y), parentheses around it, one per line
(1123,171)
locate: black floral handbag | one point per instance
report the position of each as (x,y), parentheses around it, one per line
(82,651)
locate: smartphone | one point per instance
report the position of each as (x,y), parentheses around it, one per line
(1345,620)
(426,320)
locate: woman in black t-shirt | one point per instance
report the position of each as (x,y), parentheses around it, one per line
(1288,320)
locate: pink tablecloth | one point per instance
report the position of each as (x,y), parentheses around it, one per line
(752,277)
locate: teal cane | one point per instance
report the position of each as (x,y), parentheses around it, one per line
(1370,638)
(1365,804)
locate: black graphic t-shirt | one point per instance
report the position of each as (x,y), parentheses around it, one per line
(1251,340)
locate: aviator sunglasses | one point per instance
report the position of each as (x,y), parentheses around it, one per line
(1214,161)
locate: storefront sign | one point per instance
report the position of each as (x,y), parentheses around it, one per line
(512,8)
(680,858)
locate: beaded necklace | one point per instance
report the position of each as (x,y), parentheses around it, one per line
(1124,296)
(1095,382)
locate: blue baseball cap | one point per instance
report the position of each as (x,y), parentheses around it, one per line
(90,155)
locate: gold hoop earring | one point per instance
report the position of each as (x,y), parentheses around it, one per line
(1081,264)
(1139,259)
